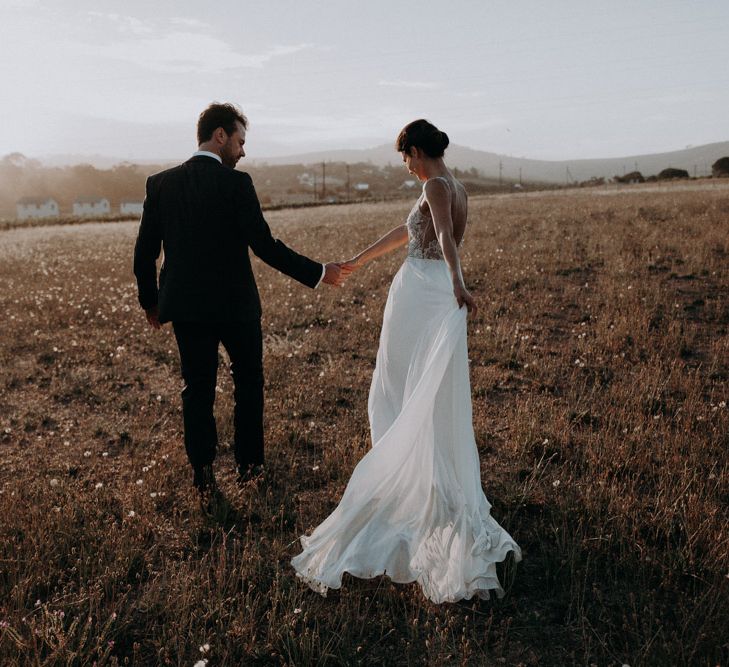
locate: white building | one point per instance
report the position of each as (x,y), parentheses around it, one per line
(36,208)
(91,206)
(131,208)
(311,180)
(362,187)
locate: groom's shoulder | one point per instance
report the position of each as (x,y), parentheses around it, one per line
(161,175)
(237,179)
(241,176)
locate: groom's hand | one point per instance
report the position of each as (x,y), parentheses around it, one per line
(333,274)
(153,317)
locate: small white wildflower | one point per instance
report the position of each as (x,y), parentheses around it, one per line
(204,648)
(159,398)
(54,482)
(153,494)
(555,483)
(722,404)
(315,468)
(98,485)
(132,514)
(105,454)
(139,482)
(145,469)
(87,453)
(297,610)
(200,663)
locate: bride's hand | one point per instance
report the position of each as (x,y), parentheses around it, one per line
(350,266)
(463,296)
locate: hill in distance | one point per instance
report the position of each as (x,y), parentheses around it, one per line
(696,160)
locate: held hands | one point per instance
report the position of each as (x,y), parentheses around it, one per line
(463,296)
(335,273)
(351,265)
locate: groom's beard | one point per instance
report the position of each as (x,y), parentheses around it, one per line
(228,158)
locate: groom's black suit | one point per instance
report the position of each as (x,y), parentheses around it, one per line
(205,216)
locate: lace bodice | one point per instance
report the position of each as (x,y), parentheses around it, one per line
(418,223)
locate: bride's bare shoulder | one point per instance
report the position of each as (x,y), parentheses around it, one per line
(437,188)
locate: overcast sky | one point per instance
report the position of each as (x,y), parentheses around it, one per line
(557,79)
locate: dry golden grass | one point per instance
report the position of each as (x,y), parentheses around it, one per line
(600,373)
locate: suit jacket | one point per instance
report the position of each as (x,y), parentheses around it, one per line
(205,216)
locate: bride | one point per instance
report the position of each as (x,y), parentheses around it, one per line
(414,508)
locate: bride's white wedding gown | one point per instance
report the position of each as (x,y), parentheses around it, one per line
(414,508)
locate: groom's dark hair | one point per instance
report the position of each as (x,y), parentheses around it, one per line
(219,115)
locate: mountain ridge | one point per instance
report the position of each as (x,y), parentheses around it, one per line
(694,159)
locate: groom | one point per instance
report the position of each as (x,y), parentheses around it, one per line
(205,215)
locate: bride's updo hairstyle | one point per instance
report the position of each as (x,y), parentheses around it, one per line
(423,135)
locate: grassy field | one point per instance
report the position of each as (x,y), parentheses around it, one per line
(600,374)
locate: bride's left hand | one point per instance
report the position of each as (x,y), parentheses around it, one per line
(463,297)
(350,266)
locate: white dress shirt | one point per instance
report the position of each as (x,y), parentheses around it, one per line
(208,154)
(219,159)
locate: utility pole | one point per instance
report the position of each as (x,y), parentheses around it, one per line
(323,180)
(347,182)
(519,175)
(501,166)
(694,171)
(316,189)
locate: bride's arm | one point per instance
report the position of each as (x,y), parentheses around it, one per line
(395,238)
(438,196)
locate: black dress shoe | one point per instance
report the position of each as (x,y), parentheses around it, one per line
(214,504)
(250,473)
(203,479)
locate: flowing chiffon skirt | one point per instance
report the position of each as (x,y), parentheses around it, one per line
(414,508)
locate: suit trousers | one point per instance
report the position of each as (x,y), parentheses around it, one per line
(198,345)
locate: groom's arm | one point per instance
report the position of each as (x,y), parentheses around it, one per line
(147,250)
(271,250)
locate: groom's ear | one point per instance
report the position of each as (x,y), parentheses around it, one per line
(219,135)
